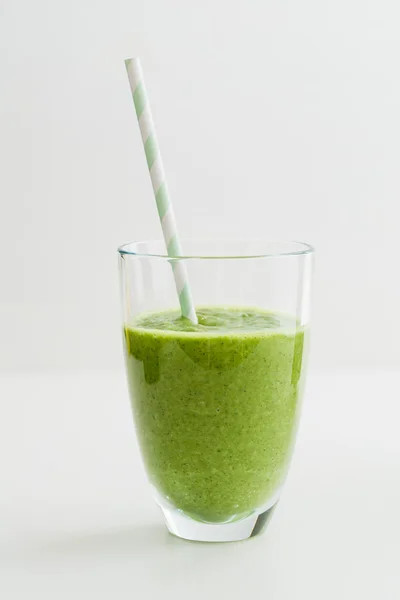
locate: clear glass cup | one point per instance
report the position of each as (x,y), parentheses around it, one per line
(216,406)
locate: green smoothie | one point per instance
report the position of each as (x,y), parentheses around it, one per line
(216,406)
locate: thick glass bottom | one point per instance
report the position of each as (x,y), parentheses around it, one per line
(185,527)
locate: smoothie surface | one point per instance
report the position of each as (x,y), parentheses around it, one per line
(217,320)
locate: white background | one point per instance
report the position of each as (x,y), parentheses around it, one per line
(275,119)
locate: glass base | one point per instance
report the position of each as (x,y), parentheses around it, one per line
(184,527)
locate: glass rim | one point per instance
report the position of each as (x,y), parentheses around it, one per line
(302,249)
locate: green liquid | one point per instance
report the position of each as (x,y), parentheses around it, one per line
(216,405)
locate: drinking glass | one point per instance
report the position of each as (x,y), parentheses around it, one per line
(216,405)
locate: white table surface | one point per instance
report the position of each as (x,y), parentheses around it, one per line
(78,522)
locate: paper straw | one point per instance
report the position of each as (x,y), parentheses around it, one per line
(160,189)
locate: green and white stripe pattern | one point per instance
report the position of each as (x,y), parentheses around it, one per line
(157,174)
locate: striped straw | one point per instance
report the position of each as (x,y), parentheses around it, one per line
(157,174)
